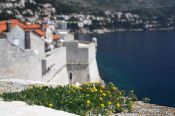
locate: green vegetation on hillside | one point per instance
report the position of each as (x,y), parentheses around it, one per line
(69,6)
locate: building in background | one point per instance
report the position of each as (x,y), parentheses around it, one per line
(42,53)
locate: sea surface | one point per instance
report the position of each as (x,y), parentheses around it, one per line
(140,61)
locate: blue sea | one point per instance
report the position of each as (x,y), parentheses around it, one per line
(140,61)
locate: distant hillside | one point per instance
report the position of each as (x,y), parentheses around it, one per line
(112,4)
(19,8)
(146,7)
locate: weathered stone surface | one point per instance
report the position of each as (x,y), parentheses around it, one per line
(152,110)
(22,109)
(16,85)
(17,63)
(81,62)
(54,67)
(145,109)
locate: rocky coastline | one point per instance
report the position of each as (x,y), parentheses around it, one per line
(105,30)
(146,109)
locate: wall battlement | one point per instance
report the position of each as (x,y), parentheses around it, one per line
(81,62)
(80,53)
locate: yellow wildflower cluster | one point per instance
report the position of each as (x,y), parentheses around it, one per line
(88,102)
(93,89)
(102,105)
(50,105)
(102,87)
(118,105)
(109,103)
(114,88)
(100,98)
(88,97)
(104,94)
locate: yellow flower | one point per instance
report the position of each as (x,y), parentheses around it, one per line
(102,87)
(118,105)
(104,94)
(102,105)
(80,88)
(95,90)
(88,102)
(101,91)
(114,88)
(108,92)
(101,99)
(92,90)
(109,103)
(50,105)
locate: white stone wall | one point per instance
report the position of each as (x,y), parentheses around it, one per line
(76,55)
(91,52)
(54,66)
(17,36)
(16,63)
(80,72)
(93,71)
(68,37)
(81,62)
(37,44)
(61,78)
(93,67)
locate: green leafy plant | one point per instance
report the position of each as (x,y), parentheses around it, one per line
(87,99)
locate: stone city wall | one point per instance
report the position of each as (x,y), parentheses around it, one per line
(54,66)
(81,62)
(76,55)
(17,36)
(91,52)
(68,37)
(93,72)
(79,73)
(16,63)
(37,44)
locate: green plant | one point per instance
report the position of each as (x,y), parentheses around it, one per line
(87,99)
(132,96)
(146,100)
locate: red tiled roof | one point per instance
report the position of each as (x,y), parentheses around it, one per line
(27,27)
(46,26)
(14,22)
(39,32)
(32,26)
(56,37)
(3,26)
